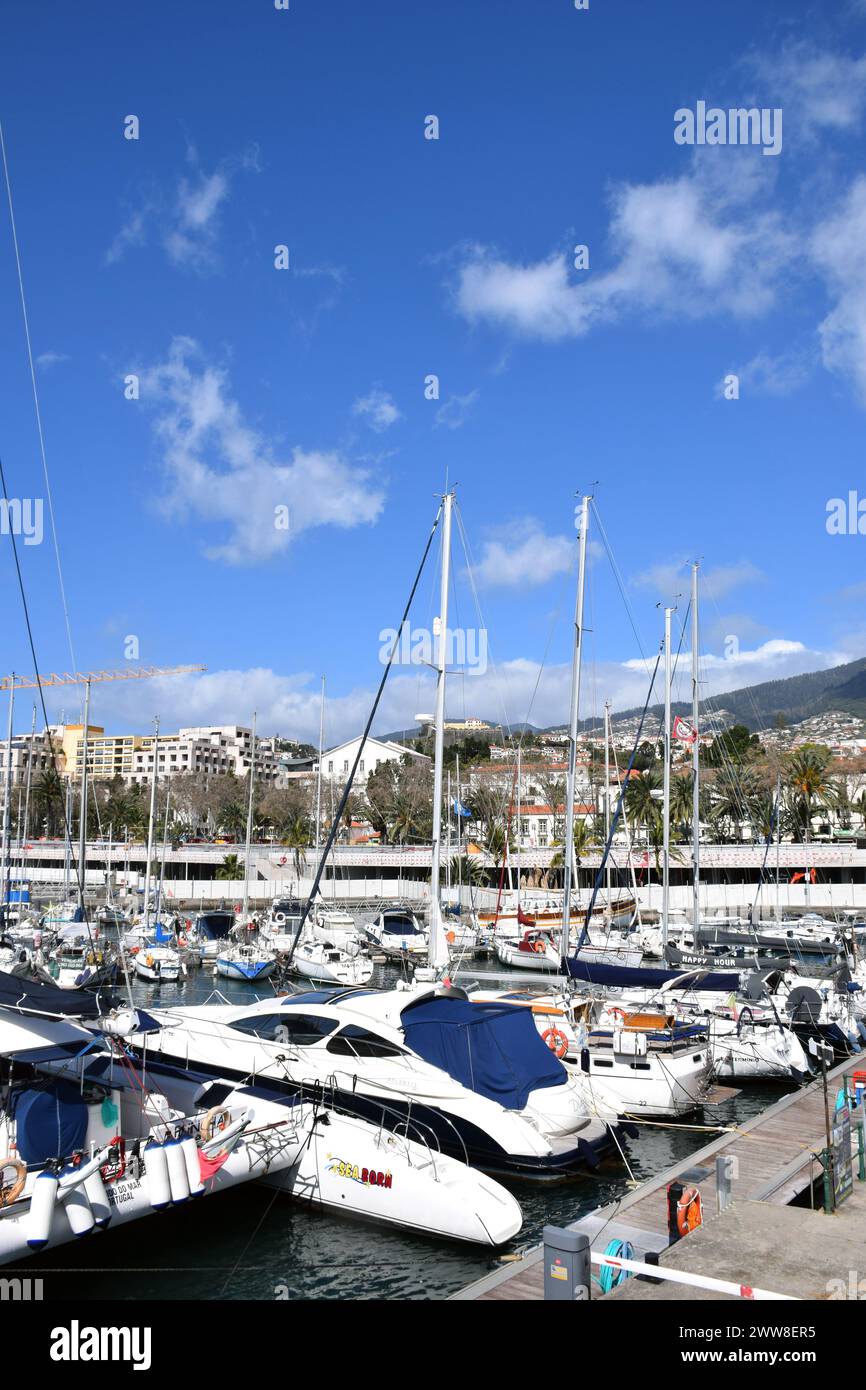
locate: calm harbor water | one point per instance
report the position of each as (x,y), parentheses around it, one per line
(256,1244)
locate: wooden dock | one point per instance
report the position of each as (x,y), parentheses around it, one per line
(774,1155)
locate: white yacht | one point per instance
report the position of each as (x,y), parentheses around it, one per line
(397,931)
(475,1079)
(638,1064)
(89,1143)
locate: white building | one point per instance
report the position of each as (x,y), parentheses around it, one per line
(338,762)
(212,749)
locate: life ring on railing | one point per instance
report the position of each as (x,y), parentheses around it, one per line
(10,1192)
(284,860)
(279,918)
(238,907)
(689,1212)
(538,947)
(209,1126)
(114,1169)
(556,1040)
(450,938)
(616,1015)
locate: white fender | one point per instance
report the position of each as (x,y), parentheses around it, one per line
(189,1149)
(156,1169)
(177,1174)
(42,1201)
(78,1212)
(94,1189)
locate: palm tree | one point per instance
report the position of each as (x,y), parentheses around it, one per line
(49,794)
(296,837)
(641,805)
(231,868)
(806,777)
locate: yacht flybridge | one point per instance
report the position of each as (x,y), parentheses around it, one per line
(475,1080)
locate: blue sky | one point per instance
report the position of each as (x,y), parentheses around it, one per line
(409,256)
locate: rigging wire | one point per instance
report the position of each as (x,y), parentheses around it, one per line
(36,404)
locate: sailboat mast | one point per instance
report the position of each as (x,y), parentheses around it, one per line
(434,946)
(319,777)
(150,824)
(607,797)
(696,757)
(22,838)
(246,905)
(82,815)
(568,847)
(7,797)
(666,803)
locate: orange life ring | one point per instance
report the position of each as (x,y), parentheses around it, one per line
(556,1041)
(10,1192)
(538,947)
(450,938)
(689,1213)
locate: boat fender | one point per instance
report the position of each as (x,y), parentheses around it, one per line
(42,1200)
(177,1175)
(97,1196)
(10,1192)
(156,1169)
(75,1203)
(193,1169)
(556,1040)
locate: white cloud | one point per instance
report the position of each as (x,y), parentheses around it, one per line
(673,577)
(517,689)
(766,375)
(221,470)
(685,247)
(378,408)
(186,223)
(51,359)
(838,248)
(454,412)
(521,555)
(821,91)
(192,238)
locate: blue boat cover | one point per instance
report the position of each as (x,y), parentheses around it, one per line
(50,1122)
(214,925)
(33,997)
(636,977)
(492,1049)
(163,933)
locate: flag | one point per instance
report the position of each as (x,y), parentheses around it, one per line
(460,809)
(683,729)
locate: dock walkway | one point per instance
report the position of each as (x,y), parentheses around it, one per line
(774,1154)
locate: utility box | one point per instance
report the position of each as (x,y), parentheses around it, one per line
(566,1265)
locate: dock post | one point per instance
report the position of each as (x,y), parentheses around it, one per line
(567,1276)
(725,1165)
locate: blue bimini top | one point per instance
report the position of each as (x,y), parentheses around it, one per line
(492,1049)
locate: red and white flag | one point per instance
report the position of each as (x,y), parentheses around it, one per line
(683,729)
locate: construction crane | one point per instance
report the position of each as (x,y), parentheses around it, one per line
(141,673)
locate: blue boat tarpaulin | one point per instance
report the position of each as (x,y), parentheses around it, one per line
(636,977)
(492,1049)
(50,1122)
